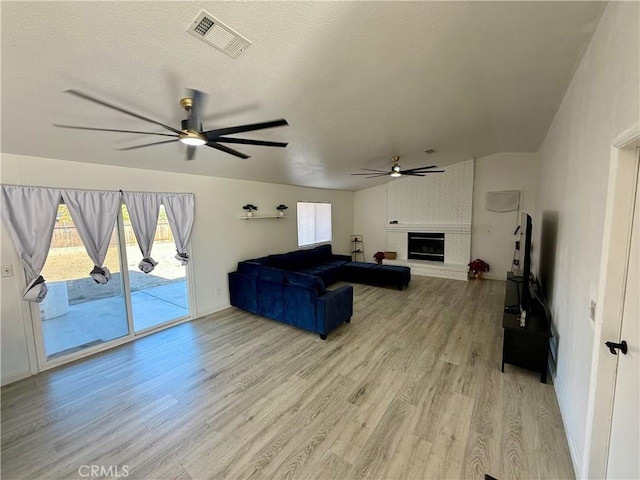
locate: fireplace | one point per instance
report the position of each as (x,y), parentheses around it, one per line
(425,246)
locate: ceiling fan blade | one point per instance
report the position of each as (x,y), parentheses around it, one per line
(413,174)
(246,141)
(428,167)
(119,109)
(213,134)
(371,174)
(113,130)
(193,123)
(378,175)
(228,150)
(191,152)
(148,145)
(374,170)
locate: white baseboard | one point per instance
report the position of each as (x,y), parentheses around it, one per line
(15,377)
(433,269)
(564,409)
(214,309)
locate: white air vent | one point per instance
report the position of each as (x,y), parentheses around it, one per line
(212,31)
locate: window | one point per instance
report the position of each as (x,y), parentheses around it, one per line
(314,223)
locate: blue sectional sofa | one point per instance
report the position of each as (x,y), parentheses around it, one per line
(291,287)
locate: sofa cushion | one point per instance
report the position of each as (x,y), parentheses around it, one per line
(314,257)
(307,281)
(324,253)
(297,260)
(249,268)
(337,263)
(328,273)
(309,271)
(271,274)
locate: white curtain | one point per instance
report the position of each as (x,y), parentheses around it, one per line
(143,211)
(29,214)
(180,208)
(94,215)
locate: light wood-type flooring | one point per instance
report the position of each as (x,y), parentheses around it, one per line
(410,389)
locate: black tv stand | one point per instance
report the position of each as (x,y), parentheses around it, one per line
(527,346)
(514,307)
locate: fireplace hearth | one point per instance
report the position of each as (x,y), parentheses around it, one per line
(425,246)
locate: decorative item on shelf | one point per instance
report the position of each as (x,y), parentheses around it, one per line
(477,268)
(379,256)
(390,255)
(249,208)
(281,208)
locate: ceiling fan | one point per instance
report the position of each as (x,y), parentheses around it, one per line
(396,171)
(191,132)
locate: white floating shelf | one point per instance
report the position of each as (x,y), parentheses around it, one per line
(256,217)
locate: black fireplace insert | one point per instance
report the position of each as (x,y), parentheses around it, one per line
(426,246)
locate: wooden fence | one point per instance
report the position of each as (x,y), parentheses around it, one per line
(67,235)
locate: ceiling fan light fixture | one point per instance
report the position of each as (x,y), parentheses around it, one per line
(396,174)
(395,170)
(193,139)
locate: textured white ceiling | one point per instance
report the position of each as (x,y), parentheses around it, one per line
(357,81)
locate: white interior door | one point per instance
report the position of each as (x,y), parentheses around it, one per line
(624,446)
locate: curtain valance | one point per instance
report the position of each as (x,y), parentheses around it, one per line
(29,214)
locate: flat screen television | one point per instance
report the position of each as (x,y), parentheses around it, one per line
(525,295)
(523,277)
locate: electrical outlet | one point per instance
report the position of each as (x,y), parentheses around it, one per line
(592,311)
(7,271)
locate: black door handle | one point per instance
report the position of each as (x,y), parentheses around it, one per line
(622,346)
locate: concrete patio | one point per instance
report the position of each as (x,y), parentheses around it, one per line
(102,320)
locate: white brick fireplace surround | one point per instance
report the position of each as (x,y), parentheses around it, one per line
(436,203)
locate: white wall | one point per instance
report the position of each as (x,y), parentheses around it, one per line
(491,233)
(438,198)
(370,219)
(492,236)
(219,238)
(601,102)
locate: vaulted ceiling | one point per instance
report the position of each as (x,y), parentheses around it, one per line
(358,82)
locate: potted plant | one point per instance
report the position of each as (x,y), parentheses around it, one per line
(249,208)
(379,256)
(281,208)
(478,267)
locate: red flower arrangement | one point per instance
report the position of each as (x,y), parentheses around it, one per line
(478,266)
(379,256)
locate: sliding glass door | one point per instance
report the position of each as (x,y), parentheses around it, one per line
(79,314)
(158,297)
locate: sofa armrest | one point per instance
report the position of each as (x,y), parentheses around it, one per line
(243,292)
(346,258)
(334,308)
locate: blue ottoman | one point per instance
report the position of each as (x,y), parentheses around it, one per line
(394,275)
(379,275)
